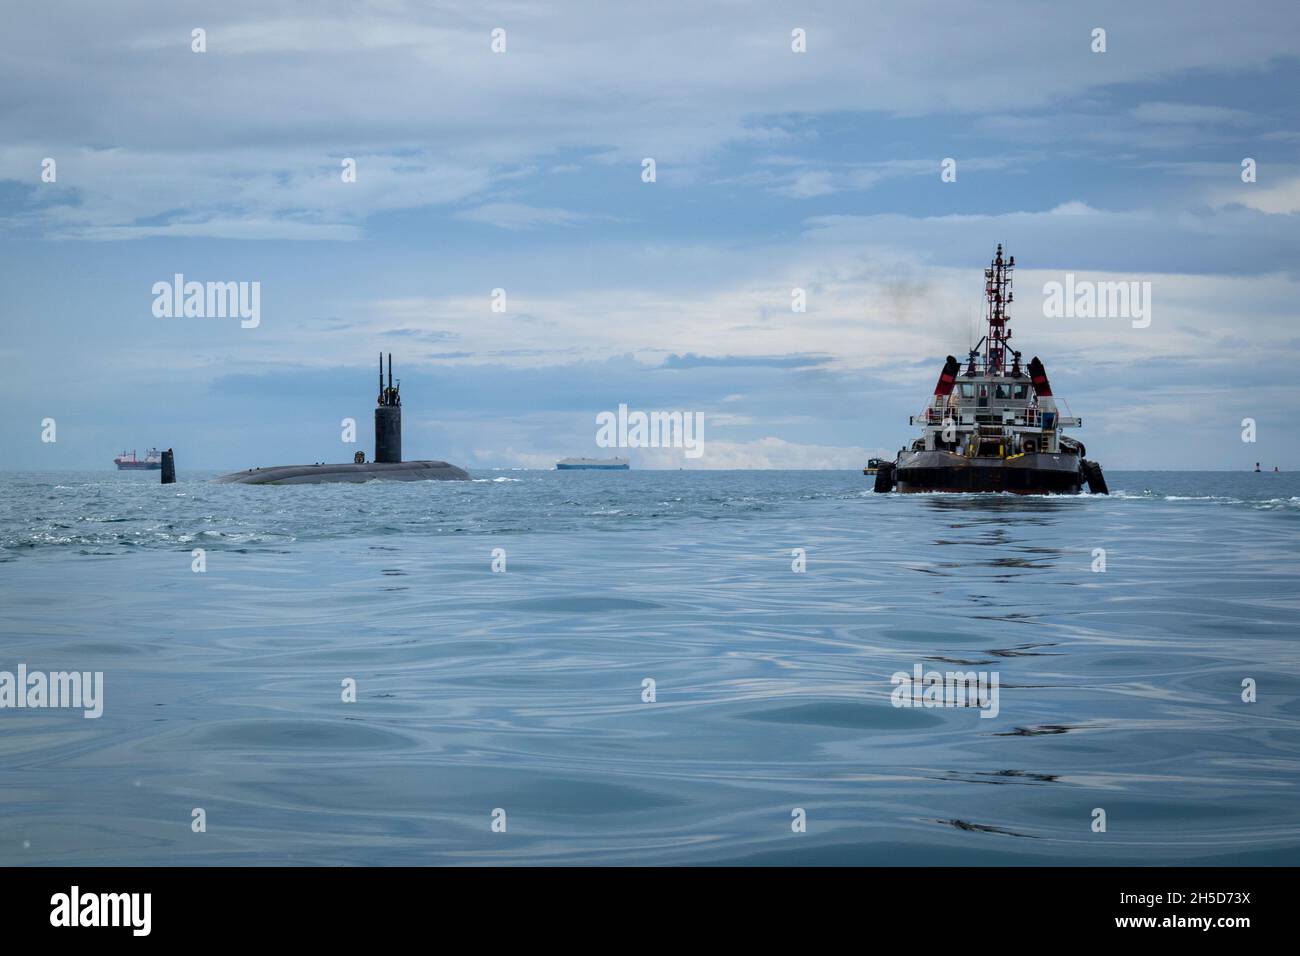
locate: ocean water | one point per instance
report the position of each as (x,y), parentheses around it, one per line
(522,691)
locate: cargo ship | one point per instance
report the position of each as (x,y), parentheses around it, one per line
(592,464)
(995,426)
(152,461)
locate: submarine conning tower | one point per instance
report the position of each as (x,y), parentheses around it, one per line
(388,416)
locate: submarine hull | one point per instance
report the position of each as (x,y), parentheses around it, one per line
(1030,474)
(348,472)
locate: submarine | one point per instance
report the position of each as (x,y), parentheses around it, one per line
(387,466)
(996,427)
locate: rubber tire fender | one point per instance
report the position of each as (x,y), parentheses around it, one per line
(1093,476)
(885,478)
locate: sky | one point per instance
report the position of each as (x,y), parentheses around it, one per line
(523,171)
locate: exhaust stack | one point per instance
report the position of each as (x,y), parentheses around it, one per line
(948,377)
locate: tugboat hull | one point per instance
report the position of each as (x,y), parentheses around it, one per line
(1029,474)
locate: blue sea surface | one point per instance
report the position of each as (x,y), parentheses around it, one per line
(1120,689)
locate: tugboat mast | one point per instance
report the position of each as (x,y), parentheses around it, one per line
(997,288)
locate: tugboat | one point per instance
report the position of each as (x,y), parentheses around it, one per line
(993,427)
(873,466)
(127,461)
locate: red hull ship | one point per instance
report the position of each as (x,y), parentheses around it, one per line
(152,461)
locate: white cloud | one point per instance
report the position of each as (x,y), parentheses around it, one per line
(516,458)
(1073,208)
(764,453)
(1281,198)
(519,216)
(248,128)
(1190,113)
(278,193)
(808,184)
(868,306)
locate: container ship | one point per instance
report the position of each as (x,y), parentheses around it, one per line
(996,426)
(152,461)
(592,464)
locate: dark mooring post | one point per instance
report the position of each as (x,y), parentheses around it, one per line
(388,416)
(169,468)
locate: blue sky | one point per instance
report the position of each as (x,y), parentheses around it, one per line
(522,170)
